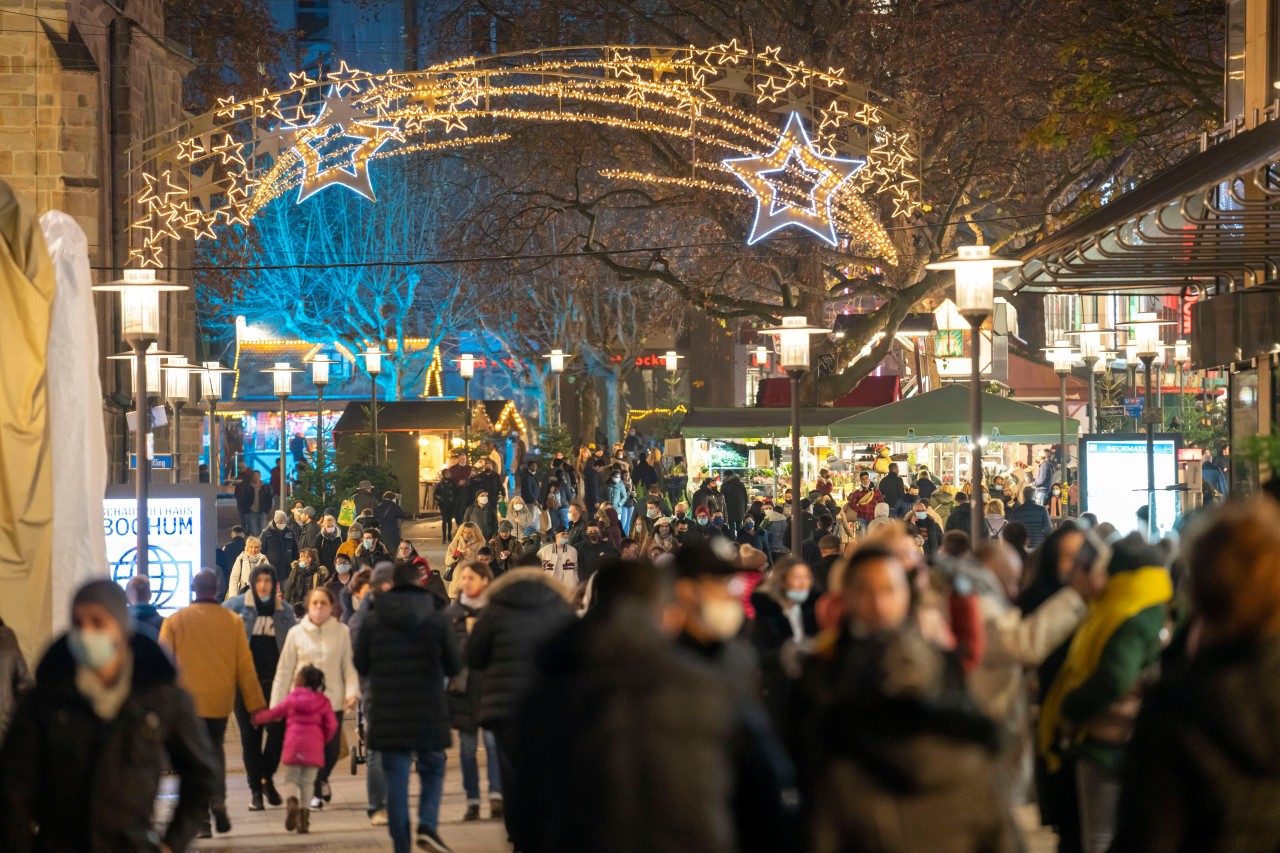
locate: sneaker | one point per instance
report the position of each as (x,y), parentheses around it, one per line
(495,808)
(378,818)
(291,816)
(317,803)
(430,841)
(269,789)
(304,821)
(255,802)
(473,812)
(221,820)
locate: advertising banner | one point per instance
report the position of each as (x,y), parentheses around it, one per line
(177,538)
(1114,479)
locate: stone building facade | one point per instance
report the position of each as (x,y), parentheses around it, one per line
(82,83)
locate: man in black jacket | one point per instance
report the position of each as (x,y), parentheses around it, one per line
(734,494)
(406,648)
(593,552)
(279,545)
(892,488)
(307,531)
(389,514)
(525,609)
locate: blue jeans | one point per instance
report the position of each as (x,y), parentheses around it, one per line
(467,743)
(254,522)
(562,516)
(624,518)
(395,764)
(375,781)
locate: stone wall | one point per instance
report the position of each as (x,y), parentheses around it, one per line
(81,82)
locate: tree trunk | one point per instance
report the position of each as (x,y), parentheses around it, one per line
(588,408)
(611,428)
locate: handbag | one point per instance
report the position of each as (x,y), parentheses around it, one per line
(347,513)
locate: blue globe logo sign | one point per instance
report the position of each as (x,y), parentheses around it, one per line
(166,574)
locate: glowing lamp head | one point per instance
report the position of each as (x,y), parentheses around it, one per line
(672,359)
(320,370)
(556,357)
(373,359)
(793,341)
(211,380)
(1181,351)
(177,379)
(467,365)
(1090,340)
(1146,334)
(1062,356)
(975,268)
(139,302)
(282,378)
(1103,363)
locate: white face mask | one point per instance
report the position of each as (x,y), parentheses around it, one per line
(91,649)
(517,506)
(482,501)
(723,618)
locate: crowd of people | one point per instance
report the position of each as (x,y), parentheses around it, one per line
(649,668)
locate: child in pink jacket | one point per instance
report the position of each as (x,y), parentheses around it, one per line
(309,724)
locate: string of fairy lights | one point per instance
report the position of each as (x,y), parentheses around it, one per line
(724,103)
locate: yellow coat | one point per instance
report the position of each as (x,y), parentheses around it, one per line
(212,652)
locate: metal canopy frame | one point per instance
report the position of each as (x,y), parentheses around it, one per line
(1208,223)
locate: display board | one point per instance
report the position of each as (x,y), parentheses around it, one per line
(1113,478)
(180,540)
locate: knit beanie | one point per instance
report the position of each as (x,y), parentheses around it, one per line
(108,595)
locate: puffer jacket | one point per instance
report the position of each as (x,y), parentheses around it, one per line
(943,502)
(525,608)
(405,648)
(89,784)
(280,547)
(311,724)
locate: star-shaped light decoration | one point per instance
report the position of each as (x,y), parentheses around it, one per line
(352,122)
(774,210)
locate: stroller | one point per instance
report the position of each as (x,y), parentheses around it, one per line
(359,752)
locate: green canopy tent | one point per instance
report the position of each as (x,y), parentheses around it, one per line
(944,414)
(759,422)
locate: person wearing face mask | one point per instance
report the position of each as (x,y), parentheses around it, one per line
(930,532)
(488,480)
(279,544)
(664,537)
(371,550)
(305,574)
(560,560)
(324,642)
(250,559)
(522,515)
(329,540)
(80,768)
(917,729)
(1002,491)
(465,548)
(700,530)
(709,609)
(267,621)
(784,606)
(214,665)
(594,551)
(351,545)
(505,547)
(1057,502)
(483,514)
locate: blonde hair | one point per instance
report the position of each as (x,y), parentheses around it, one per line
(995,507)
(252,540)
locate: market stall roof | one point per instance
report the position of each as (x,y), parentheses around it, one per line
(944,414)
(426,415)
(758,422)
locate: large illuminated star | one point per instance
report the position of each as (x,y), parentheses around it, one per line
(773,211)
(353,123)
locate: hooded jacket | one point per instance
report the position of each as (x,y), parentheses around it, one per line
(311,724)
(1203,768)
(91,784)
(525,608)
(943,502)
(405,649)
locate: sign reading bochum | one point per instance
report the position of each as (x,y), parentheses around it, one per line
(762,174)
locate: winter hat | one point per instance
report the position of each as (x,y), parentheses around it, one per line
(667,520)
(882,510)
(280,516)
(309,511)
(382,573)
(701,511)
(752,559)
(109,595)
(505,526)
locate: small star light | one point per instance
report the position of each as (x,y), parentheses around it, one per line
(353,123)
(774,210)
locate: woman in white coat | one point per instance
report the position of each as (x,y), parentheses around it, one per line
(250,559)
(321,641)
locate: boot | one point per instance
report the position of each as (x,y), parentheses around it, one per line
(473,812)
(304,821)
(495,808)
(291,816)
(269,789)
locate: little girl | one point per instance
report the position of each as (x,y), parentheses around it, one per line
(310,723)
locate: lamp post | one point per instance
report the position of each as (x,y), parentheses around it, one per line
(211,387)
(320,378)
(140,326)
(177,389)
(557,358)
(282,380)
(1090,336)
(975,267)
(1181,354)
(793,357)
(373,364)
(1148,347)
(1063,357)
(467,367)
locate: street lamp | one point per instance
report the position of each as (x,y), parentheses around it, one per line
(1090,337)
(467,367)
(373,364)
(1063,358)
(140,326)
(177,389)
(557,358)
(211,388)
(975,267)
(1148,347)
(793,357)
(320,378)
(282,381)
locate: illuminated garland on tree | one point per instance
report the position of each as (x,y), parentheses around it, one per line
(224,166)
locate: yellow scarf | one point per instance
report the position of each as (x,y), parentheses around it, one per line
(1126,595)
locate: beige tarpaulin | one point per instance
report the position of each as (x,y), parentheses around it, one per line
(26,472)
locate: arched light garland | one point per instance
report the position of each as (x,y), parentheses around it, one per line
(224,166)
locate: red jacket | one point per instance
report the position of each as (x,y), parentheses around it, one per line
(866,509)
(310,725)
